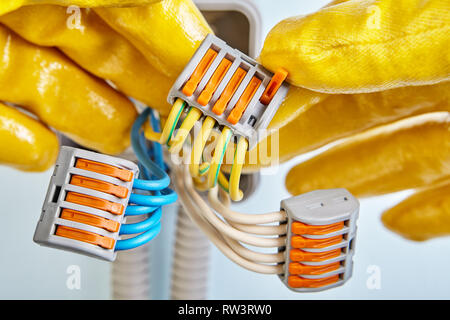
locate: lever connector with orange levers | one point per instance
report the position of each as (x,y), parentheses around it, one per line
(230,87)
(231,92)
(87,202)
(320,239)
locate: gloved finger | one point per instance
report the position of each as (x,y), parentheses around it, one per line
(422,216)
(406,154)
(167,33)
(340,116)
(95,47)
(363,46)
(25,143)
(64,96)
(10,5)
(296,103)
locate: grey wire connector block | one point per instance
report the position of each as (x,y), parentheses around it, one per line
(320,241)
(80,214)
(257,116)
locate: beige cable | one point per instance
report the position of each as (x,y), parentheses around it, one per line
(274,230)
(242,218)
(192,208)
(225,228)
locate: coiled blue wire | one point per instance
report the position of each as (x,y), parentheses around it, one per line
(153,201)
(142,226)
(156,181)
(138,240)
(138,210)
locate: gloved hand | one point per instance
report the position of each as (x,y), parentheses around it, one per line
(374,80)
(55,69)
(316,50)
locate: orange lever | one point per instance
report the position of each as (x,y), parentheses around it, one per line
(199,72)
(273,86)
(105,169)
(214,82)
(98,185)
(90,219)
(228,92)
(299,268)
(300,255)
(301,228)
(94,202)
(85,236)
(301,242)
(299,282)
(244,100)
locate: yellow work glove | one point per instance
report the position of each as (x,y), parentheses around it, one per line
(55,59)
(372,77)
(10,5)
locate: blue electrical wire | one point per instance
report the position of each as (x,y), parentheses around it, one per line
(141,184)
(139,240)
(156,182)
(144,172)
(162,179)
(138,210)
(153,201)
(157,149)
(131,228)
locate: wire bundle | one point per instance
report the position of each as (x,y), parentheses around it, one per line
(206,175)
(150,193)
(232,232)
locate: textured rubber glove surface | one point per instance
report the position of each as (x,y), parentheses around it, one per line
(409,154)
(327,118)
(10,5)
(422,216)
(388,42)
(64,96)
(69,99)
(149,28)
(97,48)
(26,143)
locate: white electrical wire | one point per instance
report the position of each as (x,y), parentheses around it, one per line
(255,256)
(263,230)
(242,218)
(227,229)
(218,232)
(277,230)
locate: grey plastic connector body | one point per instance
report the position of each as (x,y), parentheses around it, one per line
(55,202)
(257,116)
(321,208)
